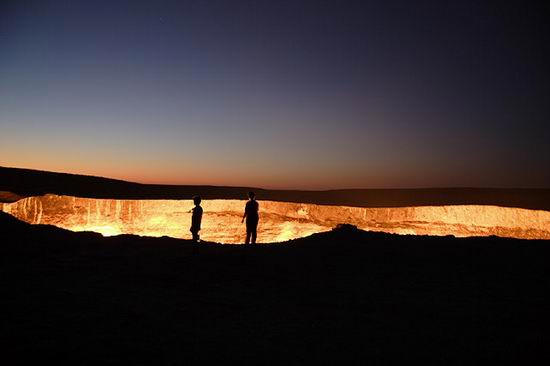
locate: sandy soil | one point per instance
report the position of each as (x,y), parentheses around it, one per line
(341,296)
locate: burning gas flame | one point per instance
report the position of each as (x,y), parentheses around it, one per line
(279,221)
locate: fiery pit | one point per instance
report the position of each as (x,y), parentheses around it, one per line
(279,221)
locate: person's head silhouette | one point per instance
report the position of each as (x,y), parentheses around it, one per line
(197,200)
(251,195)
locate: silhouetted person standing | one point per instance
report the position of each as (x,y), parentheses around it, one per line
(196,219)
(252,217)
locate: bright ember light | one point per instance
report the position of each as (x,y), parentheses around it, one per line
(279,221)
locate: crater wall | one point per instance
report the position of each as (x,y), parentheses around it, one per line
(279,221)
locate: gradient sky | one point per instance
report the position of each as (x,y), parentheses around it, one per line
(283,94)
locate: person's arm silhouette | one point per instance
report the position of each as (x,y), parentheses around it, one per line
(245,212)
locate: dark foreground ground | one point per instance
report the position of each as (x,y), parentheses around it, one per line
(340,297)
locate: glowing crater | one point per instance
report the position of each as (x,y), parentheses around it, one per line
(279,221)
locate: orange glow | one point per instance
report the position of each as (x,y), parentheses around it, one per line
(279,221)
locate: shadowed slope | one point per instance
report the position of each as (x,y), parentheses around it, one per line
(341,295)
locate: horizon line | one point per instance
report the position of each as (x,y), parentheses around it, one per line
(274,189)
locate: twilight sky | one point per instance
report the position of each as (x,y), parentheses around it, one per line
(283,94)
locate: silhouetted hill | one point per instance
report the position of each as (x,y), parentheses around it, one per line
(342,296)
(27,182)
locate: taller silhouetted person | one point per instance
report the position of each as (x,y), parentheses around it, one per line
(252,217)
(196,219)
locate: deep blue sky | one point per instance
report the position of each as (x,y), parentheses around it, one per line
(293,94)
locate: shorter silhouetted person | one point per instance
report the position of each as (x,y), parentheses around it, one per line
(196,219)
(252,217)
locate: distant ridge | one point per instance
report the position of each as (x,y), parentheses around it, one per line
(28,182)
